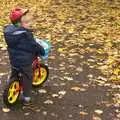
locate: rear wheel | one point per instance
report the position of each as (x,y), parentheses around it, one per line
(11,93)
(40,75)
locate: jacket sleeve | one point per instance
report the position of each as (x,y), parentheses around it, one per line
(33,46)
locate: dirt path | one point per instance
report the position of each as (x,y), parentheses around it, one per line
(71,93)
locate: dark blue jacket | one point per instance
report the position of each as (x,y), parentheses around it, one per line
(22,47)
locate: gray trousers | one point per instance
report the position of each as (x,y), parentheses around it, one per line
(27,74)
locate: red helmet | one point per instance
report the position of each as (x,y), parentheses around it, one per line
(17,13)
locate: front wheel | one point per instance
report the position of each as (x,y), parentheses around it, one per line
(40,75)
(11,92)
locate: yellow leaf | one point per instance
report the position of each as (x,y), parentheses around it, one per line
(116,71)
(75,88)
(60,50)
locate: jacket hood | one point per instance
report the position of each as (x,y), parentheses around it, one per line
(13,30)
(12,35)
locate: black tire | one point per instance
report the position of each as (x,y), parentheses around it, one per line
(6,93)
(45,67)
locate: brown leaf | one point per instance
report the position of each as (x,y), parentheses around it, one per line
(83,113)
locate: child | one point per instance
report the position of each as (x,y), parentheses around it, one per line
(22,47)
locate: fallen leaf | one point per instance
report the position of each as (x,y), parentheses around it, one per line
(38,110)
(98,111)
(3,48)
(82,89)
(90,76)
(96,118)
(80,106)
(102,78)
(55,95)
(52,57)
(68,78)
(83,113)
(62,92)
(5,110)
(44,112)
(79,69)
(61,50)
(75,88)
(42,91)
(1,74)
(70,115)
(118,115)
(48,102)
(53,114)
(26,114)
(62,84)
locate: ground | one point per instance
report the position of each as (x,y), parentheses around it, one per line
(83,64)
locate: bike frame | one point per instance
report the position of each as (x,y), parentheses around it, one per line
(35,64)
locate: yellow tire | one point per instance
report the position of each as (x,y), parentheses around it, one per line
(40,78)
(11,93)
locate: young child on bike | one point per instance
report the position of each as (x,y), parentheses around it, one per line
(22,47)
